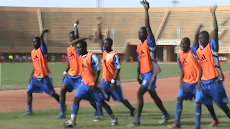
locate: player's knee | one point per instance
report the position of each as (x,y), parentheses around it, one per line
(198,103)
(29,94)
(77,99)
(180,100)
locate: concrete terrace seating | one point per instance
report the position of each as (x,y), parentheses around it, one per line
(17,28)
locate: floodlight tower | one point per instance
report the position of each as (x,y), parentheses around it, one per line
(100,3)
(174,2)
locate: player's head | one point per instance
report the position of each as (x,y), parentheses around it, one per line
(81,47)
(108,43)
(204,38)
(37,42)
(185,44)
(142,34)
(71,36)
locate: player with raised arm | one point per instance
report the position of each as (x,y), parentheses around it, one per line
(111,69)
(147,69)
(40,81)
(211,77)
(189,77)
(72,77)
(89,66)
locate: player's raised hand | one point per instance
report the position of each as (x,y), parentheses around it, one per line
(213,9)
(76,23)
(99,20)
(201,26)
(45,30)
(145,4)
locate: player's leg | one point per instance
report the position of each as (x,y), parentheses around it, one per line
(48,88)
(67,86)
(160,105)
(108,109)
(202,97)
(29,102)
(72,122)
(157,100)
(211,110)
(82,92)
(117,94)
(32,88)
(220,97)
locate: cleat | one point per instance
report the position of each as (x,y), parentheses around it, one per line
(164,119)
(132,114)
(214,123)
(27,114)
(114,122)
(134,124)
(69,124)
(61,116)
(98,118)
(174,125)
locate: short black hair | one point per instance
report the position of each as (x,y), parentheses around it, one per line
(83,42)
(205,34)
(187,40)
(71,32)
(144,29)
(36,39)
(109,41)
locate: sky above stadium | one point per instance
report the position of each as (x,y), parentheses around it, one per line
(109,3)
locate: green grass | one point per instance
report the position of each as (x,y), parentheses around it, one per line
(16,75)
(45,119)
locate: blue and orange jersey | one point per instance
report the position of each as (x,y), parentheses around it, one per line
(146,52)
(209,61)
(40,61)
(72,57)
(110,62)
(189,63)
(88,64)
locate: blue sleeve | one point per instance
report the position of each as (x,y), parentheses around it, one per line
(67,56)
(44,50)
(117,62)
(214,45)
(103,49)
(179,62)
(95,61)
(77,53)
(151,41)
(194,48)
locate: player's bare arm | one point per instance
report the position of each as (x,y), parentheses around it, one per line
(197,34)
(97,74)
(76,29)
(147,24)
(42,36)
(113,84)
(215,25)
(181,79)
(139,79)
(200,75)
(31,76)
(99,22)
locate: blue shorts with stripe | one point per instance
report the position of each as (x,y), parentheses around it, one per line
(213,91)
(188,92)
(72,83)
(117,93)
(86,92)
(40,85)
(149,81)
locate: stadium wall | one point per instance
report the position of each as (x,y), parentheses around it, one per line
(20,25)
